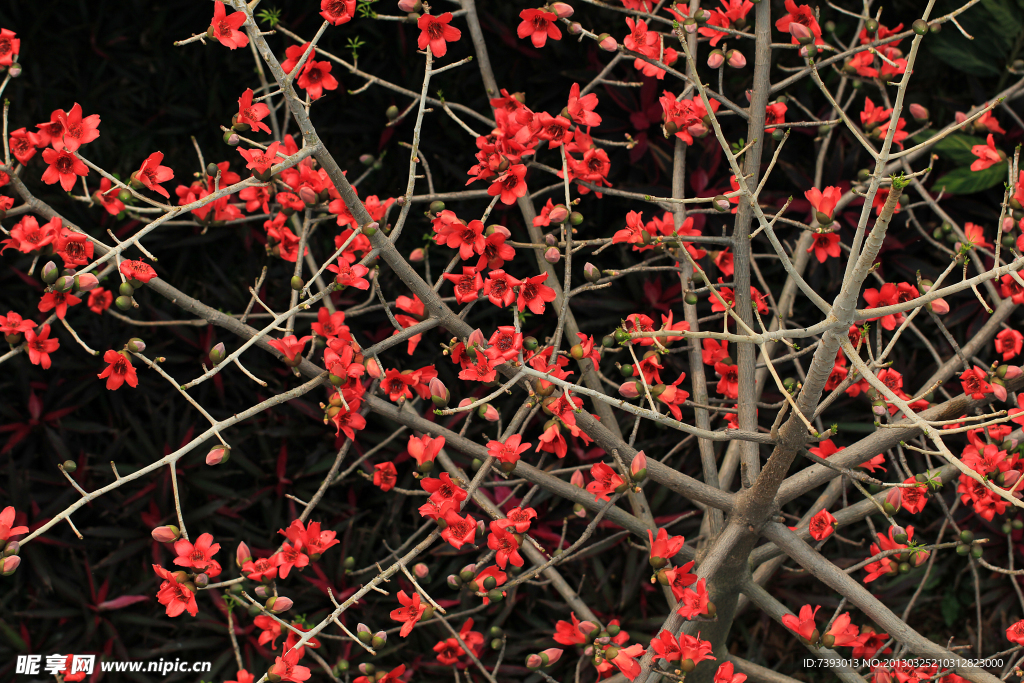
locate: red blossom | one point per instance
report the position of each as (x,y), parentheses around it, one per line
(539,25)
(315,78)
(225,28)
(409,613)
(437,33)
(151,173)
(40,346)
(118,371)
(337,12)
(64,167)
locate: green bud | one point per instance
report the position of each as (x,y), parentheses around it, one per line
(123,302)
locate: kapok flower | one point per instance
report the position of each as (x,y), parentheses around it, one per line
(262,569)
(775,113)
(423,449)
(291,348)
(119,370)
(539,25)
(822,525)
(23,142)
(139,271)
(458,530)
(6,520)
(606,481)
(290,556)
(694,649)
(349,274)
(9,46)
(315,78)
(824,203)
(664,548)
(1008,343)
(520,519)
(724,674)
(987,155)
(500,288)
(443,489)
(259,161)
(409,613)
(468,285)
(151,173)
(508,452)
(634,231)
(199,556)
(64,167)
(436,32)
(225,28)
(581,109)
(624,658)
(177,598)
(804,624)
(975,384)
(287,668)
(251,114)
(533,294)
(510,185)
(693,603)
(842,633)
(59,301)
(506,545)
(825,244)
(14,324)
(1015,633)
(384,475)
(40,346)
(337,12)
(77,130)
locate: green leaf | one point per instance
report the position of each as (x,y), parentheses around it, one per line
(957,148)
(994,25)
(965,181)
(950,608)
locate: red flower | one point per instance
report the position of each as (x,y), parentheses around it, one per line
(397,384)
(199,556)
(975,383)
(409,613)
(509,451)
(729,384)
(22,142)
(506,545)
(292,640)
(510,184)
(58,300)
(724,674)
(251,114)
(262,569)
(539,26)
(436,32)
(246,677)
(842,633)
(287,668)
(574,633)
(775,113)
(987,154)
(118,371)
(804,625)
(6,520)
(520,518)
(1015,634)
(9,46)
(606,481)
(225,28)
(107,196)
(458,530)
(290,347)
(151,173)
(801,14)
(624,659)
(824,202)
(822,525)
(138,270)
(467,238)
(500,288)
(259,161)
(890,564)
(1008,343)
(349,275)
(77,130)
(424,449)
(825,244)
(177,598)
(290,556)
(694,603)
(664,548)
(554,129)
(581,109)
(13,324)
(74,247)
(27,235)
(534,294)
(443,489)
(384,476)
(633,233)
(40,346)
(315,78)
(64,167)
(337,12)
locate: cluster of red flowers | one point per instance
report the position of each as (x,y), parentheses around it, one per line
(890,61)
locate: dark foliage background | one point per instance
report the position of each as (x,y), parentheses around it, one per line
(115,58)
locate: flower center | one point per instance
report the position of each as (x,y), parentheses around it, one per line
(435,30)
(65,164)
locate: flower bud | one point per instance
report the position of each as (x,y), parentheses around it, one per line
(607,43)
(410,5)
(939,306)
(231,138)
(899,534)
(589,629)
(454,582)
(591,272)
(736,59)
(488,412)
(202,580)
(721,203)
(638,468)
(552,255)
(919,557)
(559,214)
(64,283)
(417,255)
(166,534)
(218,454)
(893,500)
(307,195)
(279,604)
(242,554)
(562,9)
(50,273)
(421,570)
(716,59)
(218,353)
(828,640)
(367,668)
(629,390)
(9,565)
(439,394)
(14,70)
(919,113)
(534,662)
(392,112)
(86,282)
(802,34)
(575,28)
